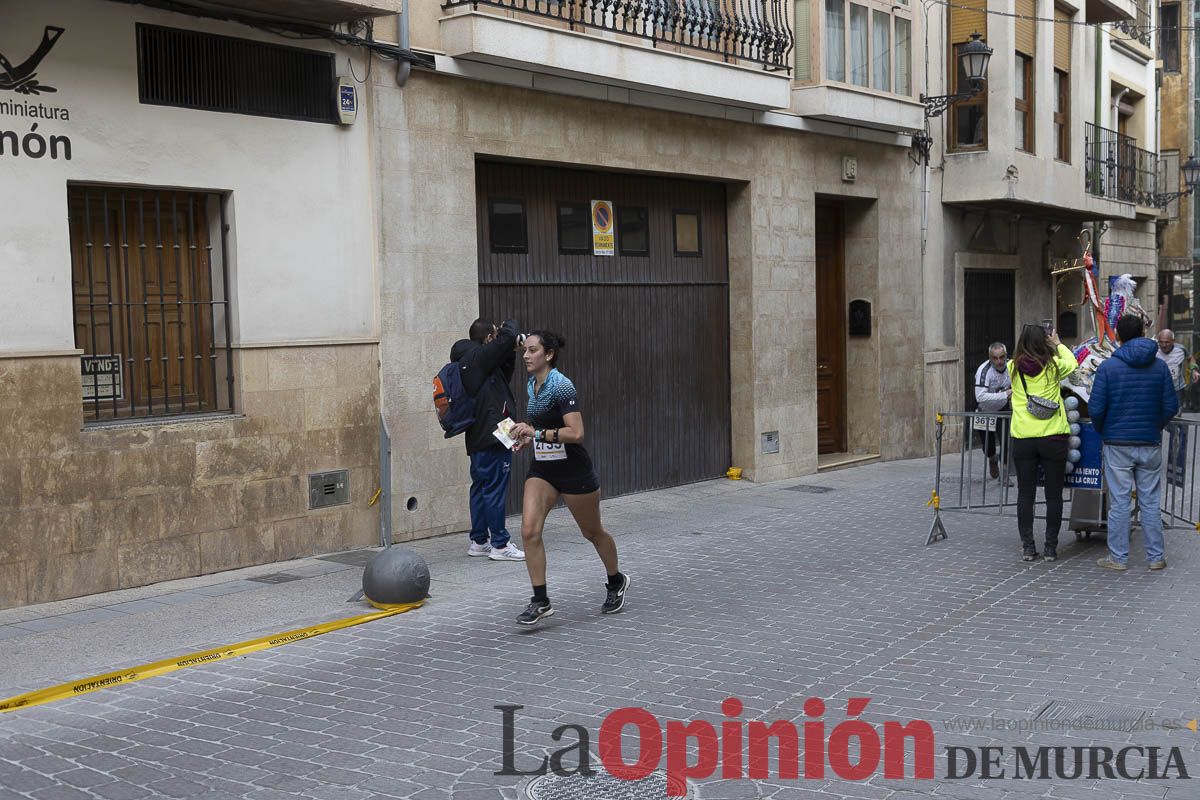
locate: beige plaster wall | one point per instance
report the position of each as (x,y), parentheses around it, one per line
(98,509)
(862,353)
(1176,109)
(1130,247)
(429,135)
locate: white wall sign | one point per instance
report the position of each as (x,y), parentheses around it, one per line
(103,378)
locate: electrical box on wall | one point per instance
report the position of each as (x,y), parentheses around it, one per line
(347,101)
(328,489)
(770,442)
(860,318)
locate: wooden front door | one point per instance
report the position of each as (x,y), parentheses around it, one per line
(831,331)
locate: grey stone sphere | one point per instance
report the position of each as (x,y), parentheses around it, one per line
(396,576)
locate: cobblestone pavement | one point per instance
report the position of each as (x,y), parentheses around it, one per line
(772,594)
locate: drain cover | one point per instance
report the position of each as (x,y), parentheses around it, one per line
(803,487)
(355,558)
(1091,716)
(601,786)
(275,577)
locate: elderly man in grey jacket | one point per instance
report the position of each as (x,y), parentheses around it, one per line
(993,393)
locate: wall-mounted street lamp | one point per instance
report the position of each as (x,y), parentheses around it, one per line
(1191,177)
(973,58)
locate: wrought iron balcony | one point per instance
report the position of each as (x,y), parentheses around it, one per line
(1138,28)
(753,31)
(1116,168)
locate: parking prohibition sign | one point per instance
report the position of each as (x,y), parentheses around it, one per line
(603,238)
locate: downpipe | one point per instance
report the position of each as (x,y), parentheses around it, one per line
(404,68)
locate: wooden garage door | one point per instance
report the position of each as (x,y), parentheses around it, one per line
(647,329)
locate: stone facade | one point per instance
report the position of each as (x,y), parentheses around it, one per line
(1176,133)
(101,508)
(429,136)
(96,507)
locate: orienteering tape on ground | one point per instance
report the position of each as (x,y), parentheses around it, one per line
(122,677)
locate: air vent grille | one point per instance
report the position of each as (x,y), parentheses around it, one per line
(189,69)
(328,489)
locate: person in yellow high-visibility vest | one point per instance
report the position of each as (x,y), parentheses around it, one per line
(1040,431)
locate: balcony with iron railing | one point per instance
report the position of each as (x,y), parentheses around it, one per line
(1115,168)
(1098,11)
(736,52)
(1138,27)
(741,31)
(321,11)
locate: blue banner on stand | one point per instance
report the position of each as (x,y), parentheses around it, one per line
(1090,468)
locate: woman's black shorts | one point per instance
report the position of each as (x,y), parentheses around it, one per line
(567,484)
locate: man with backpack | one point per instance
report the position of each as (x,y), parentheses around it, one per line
(486,360)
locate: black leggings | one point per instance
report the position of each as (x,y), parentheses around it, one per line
(1050,453)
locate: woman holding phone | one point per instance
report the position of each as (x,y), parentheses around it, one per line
(1040,431)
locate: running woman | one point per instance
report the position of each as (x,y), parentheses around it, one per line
(560,467)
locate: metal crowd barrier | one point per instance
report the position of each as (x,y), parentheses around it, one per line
(1180,505)
(962,481)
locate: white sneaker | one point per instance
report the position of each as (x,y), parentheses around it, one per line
(479,549)
(508,553)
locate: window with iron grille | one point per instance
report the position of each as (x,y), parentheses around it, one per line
(1168,36)
(197,70)
(151,310)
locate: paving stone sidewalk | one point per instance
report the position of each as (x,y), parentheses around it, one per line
(770,593)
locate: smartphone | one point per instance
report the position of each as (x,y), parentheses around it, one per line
(1048,324)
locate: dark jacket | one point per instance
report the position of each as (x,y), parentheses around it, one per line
(1132,397)
(487,376)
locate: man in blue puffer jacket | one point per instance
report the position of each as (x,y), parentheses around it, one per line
(1132,400)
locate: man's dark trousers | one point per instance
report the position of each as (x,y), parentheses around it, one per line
(489,486)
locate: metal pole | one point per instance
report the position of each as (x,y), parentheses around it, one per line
(385,484)
(937,530)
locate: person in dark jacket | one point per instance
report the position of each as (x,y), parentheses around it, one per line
(487,359)
(1132,400)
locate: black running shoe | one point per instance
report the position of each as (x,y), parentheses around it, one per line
(1029,554)
(535,611)
(616,597)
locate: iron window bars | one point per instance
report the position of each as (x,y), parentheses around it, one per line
(1117,168)
(151,309)
(758,31)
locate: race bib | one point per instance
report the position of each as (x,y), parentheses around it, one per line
(984,423)
(547,451)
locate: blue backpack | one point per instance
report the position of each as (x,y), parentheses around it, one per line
(455,408)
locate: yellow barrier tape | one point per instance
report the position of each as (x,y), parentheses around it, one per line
(934,500)
(940,418)
(375,497)
(97,682)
